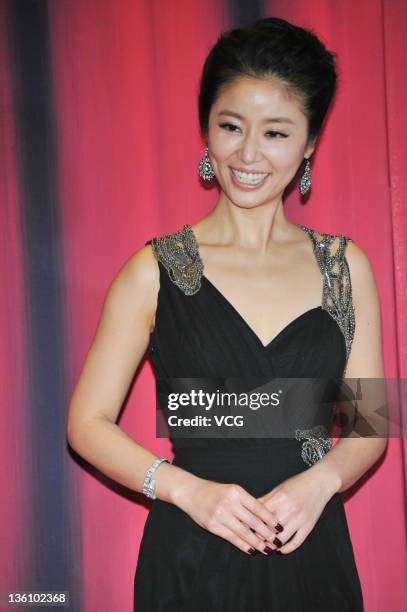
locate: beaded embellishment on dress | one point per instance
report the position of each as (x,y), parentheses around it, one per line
(337,290)
(318,442)
(178,252)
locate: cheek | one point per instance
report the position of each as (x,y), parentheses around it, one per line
(222,148)
(285,156)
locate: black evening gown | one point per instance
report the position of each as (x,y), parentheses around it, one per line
(182,567)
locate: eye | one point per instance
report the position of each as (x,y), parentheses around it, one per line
(278,133)
(275,134)
(228,125)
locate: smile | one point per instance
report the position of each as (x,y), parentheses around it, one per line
(249,179)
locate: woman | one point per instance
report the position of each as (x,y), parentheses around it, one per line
(243,292)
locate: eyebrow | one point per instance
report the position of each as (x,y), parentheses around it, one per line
(269,120)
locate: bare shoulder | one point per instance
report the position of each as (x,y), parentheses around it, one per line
(366,357)
(140,269)
(361,271)
(136,283)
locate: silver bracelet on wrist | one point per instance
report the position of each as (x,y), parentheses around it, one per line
(149,483)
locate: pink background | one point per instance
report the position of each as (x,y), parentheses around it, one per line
(99,154)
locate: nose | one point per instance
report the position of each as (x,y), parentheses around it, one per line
(249,150)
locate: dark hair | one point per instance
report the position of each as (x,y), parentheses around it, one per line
(272,47)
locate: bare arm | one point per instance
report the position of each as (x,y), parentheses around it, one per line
(351,457)
(119,344)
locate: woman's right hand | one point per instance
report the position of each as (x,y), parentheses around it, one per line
(229,511)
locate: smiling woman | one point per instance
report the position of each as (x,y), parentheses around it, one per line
(241,295)
(244,292)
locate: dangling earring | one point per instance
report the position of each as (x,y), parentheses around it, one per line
(305,182)
(205,168)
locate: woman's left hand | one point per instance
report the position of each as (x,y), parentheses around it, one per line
(298,503)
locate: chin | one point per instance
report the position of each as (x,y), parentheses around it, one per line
(247,203)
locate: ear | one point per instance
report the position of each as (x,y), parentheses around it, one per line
(310,148)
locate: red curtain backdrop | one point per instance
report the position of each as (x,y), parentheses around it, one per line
(100,144)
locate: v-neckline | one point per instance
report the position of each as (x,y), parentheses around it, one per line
(236,312)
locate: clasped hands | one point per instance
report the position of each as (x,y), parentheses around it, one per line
(249,523)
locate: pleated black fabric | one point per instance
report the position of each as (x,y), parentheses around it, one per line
(183,567)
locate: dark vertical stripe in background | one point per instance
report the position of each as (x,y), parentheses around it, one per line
(243,13)
(46,501)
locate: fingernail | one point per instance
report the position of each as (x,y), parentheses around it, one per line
(279,527)
(277,542)
(268,550)
(252,551)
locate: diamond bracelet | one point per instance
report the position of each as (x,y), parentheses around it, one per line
(149,483)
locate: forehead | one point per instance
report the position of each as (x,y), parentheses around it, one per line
(258,96)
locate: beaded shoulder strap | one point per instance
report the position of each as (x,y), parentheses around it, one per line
(179,254)
(337,301)
(329,251)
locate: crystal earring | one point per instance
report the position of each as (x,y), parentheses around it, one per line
(205,167)
(305,182)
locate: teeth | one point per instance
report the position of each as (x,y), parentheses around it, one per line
(250,178)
